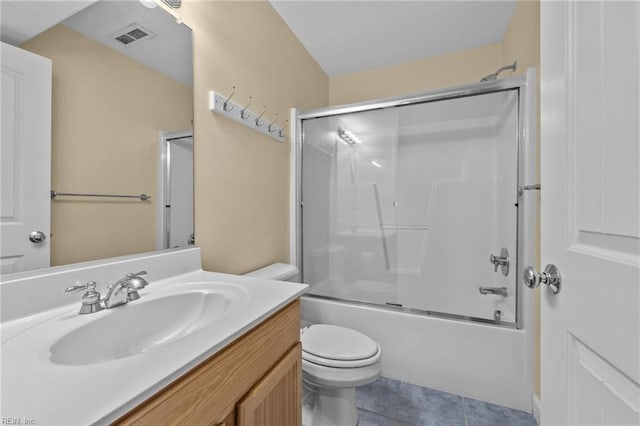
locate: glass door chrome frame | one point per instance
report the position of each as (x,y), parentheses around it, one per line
(164,198)
(526,129)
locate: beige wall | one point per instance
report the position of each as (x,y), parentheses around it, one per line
(107,113)
(417,76)
(521,43)
(522,39)
(242,177)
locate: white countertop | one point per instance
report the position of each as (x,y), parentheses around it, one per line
(34,387)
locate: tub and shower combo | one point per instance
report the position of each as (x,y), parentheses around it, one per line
(413,219)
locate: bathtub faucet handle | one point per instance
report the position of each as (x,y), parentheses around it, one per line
(501,261)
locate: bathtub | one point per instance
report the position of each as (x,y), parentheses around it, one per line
(480,361)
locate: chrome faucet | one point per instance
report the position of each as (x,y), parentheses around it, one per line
(91,301)
(136,282)
(122,291)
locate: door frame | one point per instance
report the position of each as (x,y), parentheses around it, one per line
(164,178)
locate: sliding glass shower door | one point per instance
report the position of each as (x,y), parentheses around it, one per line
(404,206)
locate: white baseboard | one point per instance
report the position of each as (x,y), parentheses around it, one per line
(535,406)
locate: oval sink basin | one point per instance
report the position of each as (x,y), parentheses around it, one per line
(143,325)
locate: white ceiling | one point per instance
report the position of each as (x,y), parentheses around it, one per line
(342,36)
(169,52)
(351,36)
(22,20)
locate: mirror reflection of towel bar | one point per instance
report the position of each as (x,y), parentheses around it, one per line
(141,197)
(406,227)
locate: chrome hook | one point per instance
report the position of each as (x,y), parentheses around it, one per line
(281,132)
(242,113)
(224,104)
(272,123)
(258,123)
(513,67)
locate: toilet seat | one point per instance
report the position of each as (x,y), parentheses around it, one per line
(335,360)
(338,347)
(336,363)
(330,377)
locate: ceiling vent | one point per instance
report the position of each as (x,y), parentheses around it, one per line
(131,35)
(175,4)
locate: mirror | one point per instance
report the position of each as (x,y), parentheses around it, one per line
(122,111)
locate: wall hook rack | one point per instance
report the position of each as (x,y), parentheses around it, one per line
(243,113)
(281,132)
(270,127)
(257,121)
(224,106)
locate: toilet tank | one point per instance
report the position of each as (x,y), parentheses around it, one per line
(276,271)
(328,265)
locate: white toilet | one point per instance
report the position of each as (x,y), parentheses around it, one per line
(334,361)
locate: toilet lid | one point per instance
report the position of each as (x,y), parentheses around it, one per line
(338,343)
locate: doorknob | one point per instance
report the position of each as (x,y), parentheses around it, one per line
(550,277)
(37,237)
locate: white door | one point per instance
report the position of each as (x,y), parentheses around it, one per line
(180,191)
(590,176)
(25,160)
(175,180)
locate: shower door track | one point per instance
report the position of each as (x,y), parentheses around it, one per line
(415,311)
(482,88)
(464,91)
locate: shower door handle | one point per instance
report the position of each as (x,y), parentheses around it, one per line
(550,277)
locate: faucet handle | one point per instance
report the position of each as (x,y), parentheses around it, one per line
(501,261)
(90,300)
(135,283)
(90,286)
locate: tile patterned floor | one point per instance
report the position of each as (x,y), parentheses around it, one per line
(388,402)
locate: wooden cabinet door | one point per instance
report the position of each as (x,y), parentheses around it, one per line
(276,399)
(229,420)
